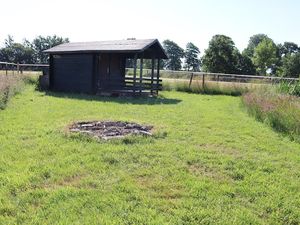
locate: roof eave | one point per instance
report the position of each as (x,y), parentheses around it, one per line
(90,51)
(165,56)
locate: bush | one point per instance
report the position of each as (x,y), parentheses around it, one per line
(280,111)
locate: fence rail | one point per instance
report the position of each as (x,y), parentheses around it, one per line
(24,64)
(245,76)
(188,74)
(19,67)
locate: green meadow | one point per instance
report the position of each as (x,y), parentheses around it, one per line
(208,162)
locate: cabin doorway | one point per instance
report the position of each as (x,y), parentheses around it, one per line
(111,72)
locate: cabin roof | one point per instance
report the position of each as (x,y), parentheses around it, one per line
(117,46)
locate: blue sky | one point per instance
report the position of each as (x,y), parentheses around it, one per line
(180,21)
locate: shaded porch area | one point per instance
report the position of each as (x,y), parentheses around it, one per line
(124,75)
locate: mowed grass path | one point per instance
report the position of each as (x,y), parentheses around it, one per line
(208,162)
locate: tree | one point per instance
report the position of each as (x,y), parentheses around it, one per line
(9,41)
(244,64)
(41,44)
(192,61)
(220,57)
(254,41)
(265,56)
(16,52)
(291,65)
(175,53)
(29,52)
(288,48)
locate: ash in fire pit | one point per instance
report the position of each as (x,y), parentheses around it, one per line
(110,129)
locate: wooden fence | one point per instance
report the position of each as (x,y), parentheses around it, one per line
(191,76)
(18,68)
(218,77)
(239,78)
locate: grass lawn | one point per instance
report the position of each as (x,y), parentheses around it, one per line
(208,162)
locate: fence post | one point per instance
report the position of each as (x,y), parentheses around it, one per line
(191,79)
(134,73)
(18,68)
(203,81)
(6,69)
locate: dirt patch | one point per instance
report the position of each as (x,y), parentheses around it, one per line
(159,187)
(204,171)
(110,129)
(74,181)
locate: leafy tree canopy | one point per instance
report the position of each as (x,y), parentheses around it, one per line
(288,48)
(16,52)
(29,52)
(192,61)
(220,57)
(41,44)
(244,64)
(291,65)
(265,56)
(175,53)
(254,41)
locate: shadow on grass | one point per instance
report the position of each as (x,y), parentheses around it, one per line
(121,100)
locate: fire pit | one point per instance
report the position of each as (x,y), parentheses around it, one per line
(110,129)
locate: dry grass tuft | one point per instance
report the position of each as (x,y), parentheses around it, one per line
(13,84)
(210,87)
(9,86)
(280,111)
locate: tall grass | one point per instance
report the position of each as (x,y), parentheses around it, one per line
(11,85)
(280,111)
(289,88)
(209,87)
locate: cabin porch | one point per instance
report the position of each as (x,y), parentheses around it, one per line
(115,80)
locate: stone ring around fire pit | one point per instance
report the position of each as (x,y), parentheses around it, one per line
(110,129)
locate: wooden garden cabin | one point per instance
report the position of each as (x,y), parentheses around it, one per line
(100,67)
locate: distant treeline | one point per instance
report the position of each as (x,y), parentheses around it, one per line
(29,52)
(262,56)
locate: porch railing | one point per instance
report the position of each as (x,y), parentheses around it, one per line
(129,84)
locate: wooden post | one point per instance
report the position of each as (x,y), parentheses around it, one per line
(51,78)
(152,73)
(94,78)
(6,69)
(157,75)
(18,68)
(109,65)
(13,69)
(134,72)
(191,79)
(141,74)
(203,81)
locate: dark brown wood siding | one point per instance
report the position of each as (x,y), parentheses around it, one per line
(111,71)
(72,73)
